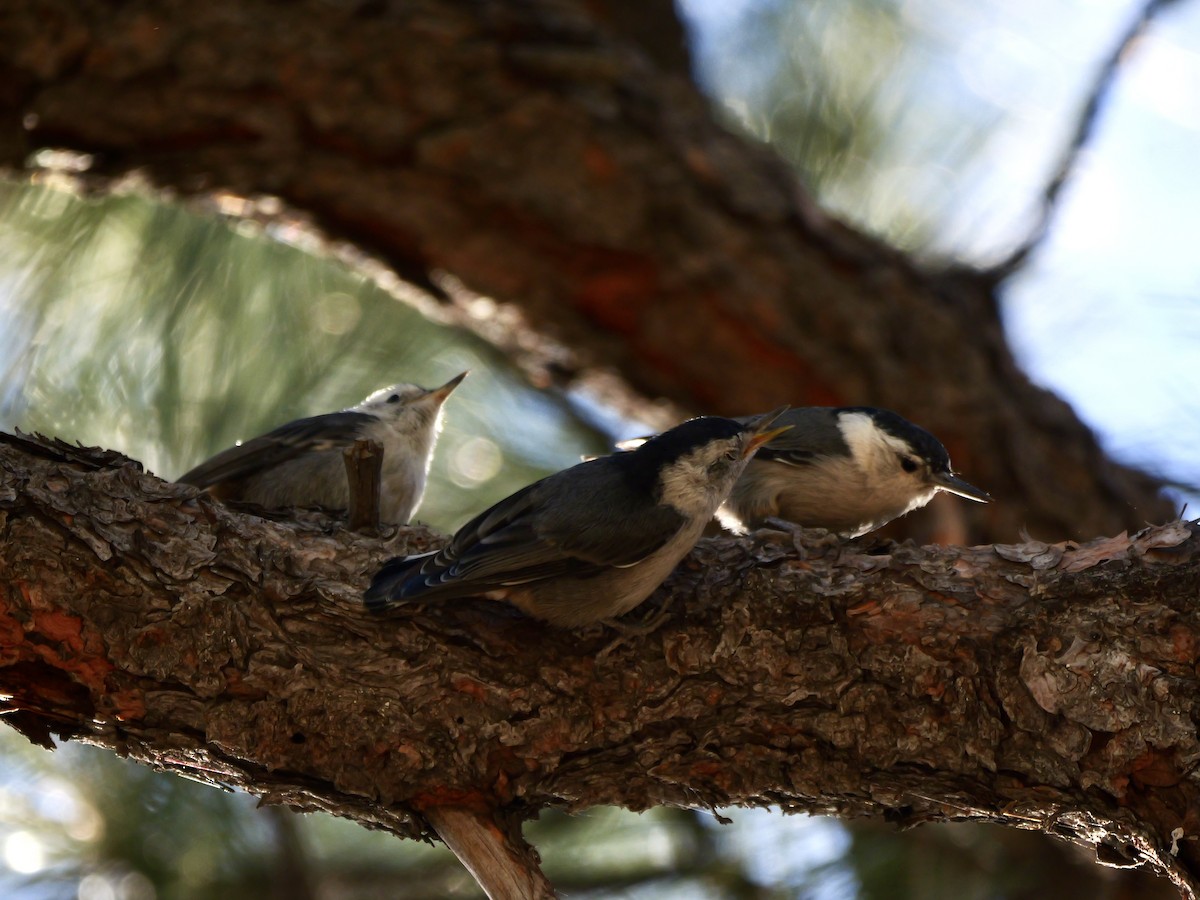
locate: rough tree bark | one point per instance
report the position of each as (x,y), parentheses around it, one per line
(1049,687)
(528,153)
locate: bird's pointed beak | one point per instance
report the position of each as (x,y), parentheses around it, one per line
(441,393)
(948,481)
(763,432)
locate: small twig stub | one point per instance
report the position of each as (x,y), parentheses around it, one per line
(364,468)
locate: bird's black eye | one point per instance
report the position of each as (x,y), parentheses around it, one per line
(730,455)
(908,464)
(395,398)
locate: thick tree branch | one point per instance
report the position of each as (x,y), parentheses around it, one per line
(524,152)
(1051,687)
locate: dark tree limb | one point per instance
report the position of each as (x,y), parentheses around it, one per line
(528,153)
(1050,687)
(290,877)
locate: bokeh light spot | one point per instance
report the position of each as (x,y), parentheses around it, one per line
(475,461)
(336,313)
(24,853)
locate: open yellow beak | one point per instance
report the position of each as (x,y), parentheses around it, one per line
(760,436)
(763,437)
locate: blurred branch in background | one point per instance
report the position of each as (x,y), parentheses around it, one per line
(1085,129)
(720,293)
(972,861)
(82,819)
(899,115)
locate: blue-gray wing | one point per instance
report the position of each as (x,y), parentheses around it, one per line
(578,522)
(814,433)
(311,435)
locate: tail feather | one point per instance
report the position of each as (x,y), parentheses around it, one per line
(388,586)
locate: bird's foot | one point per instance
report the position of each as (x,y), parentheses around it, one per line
(627,630)
(808,542)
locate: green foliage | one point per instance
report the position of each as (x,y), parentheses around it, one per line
(143,328)
(857,97)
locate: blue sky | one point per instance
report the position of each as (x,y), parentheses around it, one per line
(1107,315)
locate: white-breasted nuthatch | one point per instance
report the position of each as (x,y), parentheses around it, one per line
(300,463)
(849,469)
(590,542)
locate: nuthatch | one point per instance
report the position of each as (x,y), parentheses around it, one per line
(300,463)
(849,469)
(590,542)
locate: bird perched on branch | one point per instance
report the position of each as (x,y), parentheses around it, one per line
(590,542)
(849,469)
(300,463)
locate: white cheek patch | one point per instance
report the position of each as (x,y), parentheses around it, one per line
(859,433)
(868,442)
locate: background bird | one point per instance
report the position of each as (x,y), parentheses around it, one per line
(850,469)
(590,542)
(300,463)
